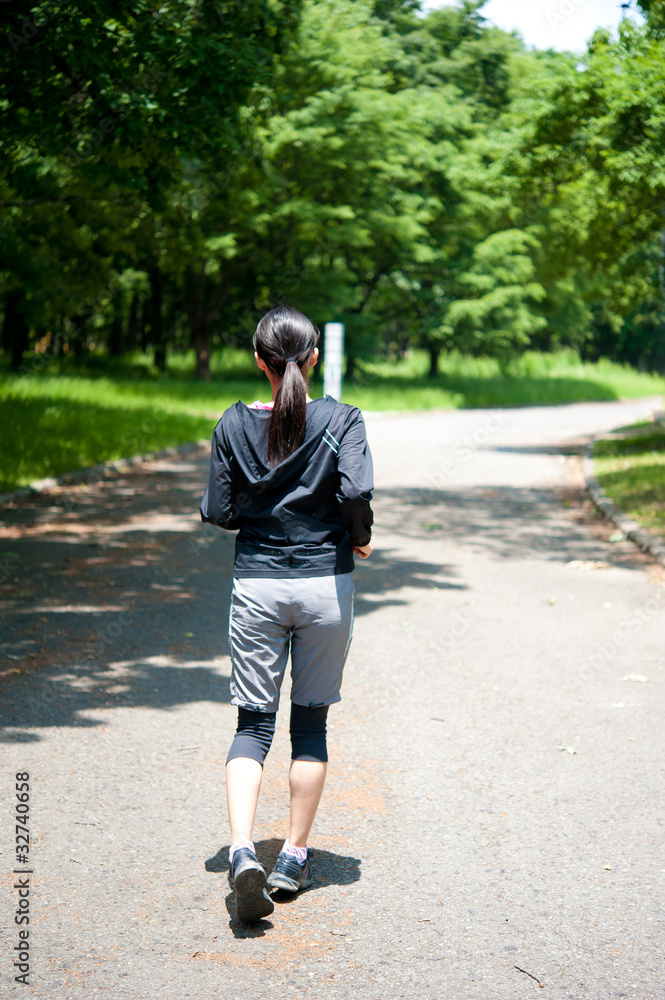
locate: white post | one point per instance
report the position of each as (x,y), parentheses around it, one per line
(333,353)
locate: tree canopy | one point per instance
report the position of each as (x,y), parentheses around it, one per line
(171,172)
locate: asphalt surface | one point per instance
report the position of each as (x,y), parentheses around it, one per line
(495,797)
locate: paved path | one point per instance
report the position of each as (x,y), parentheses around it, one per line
(496,789)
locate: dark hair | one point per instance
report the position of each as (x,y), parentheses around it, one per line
(283,336)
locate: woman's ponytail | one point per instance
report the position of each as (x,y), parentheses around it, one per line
(285,339)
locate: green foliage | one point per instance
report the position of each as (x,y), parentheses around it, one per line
(498,288)
(103,106)
(170,173)
(655,13)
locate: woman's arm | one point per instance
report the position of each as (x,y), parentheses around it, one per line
(354,464)
(217,505)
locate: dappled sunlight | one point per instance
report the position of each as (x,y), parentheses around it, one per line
(69,609)
(98,596)
(121,606)
(385,579)
(80,694)
(510,522)
(119,598)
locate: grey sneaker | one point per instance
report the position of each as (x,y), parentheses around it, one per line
(248,878)
(291,874)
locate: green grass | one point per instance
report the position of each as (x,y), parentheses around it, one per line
(50,435)
(75,415)
(631,470)
(533,379)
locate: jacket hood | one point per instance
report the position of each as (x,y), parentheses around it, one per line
(246,430)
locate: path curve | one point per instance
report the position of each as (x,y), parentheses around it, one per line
(495,797)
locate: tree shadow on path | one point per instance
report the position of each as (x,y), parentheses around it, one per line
(116,595)
(502,522)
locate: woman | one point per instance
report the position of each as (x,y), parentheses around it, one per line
(295,478)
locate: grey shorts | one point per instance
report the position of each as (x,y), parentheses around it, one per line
(310,617)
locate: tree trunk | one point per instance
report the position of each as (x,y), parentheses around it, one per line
(157,320)
(6,339)
(199,324)
(114,342)
(76,339)
(200,339)
(434,351)
(15,332)
(132,332)
(350,373)
(143,326)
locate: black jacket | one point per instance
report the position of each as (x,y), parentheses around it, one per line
(301,517)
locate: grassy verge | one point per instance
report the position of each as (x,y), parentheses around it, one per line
(48,436)
(69,417)
(533,379)
(631,470)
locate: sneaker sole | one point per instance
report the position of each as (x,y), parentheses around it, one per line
(278,881)
(252,901)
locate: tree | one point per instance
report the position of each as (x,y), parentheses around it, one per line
(104,101)
(492,314)
(341,204)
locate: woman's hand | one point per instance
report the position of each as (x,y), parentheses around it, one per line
(363,551)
